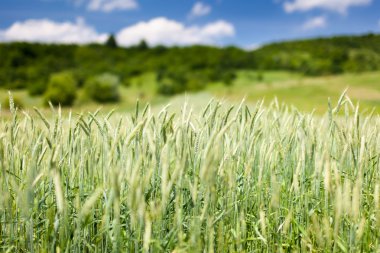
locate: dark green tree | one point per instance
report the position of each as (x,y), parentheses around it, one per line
(111,41)
(143,45)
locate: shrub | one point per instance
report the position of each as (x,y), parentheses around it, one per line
(37,88)
(61,89)
(37,80)
(228,78)
(168,87)
(170,83)
(103,88)
(260,76)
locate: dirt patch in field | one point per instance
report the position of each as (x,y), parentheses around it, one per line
(363,93)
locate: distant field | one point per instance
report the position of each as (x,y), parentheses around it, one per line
(305,93)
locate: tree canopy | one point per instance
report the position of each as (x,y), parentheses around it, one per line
(30,65)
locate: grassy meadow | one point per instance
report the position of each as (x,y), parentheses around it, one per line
(249,177)
(304,92)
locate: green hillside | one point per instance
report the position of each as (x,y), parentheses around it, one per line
(322,55)
(303,73)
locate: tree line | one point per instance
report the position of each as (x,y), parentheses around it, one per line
(35,66)
(322,56)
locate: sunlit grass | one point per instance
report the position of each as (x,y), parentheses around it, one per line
(305,93)
(223,179)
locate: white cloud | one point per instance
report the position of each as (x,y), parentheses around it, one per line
(200,9)
(45,30)
(111,5)
(331,5)
(314,23)
(169,32)
(156,31)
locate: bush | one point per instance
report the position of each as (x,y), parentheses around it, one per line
(103,88)
(61,89)
(37,88)
(260,76)
(228,78)
(37,80)
(171,82)
(168,87)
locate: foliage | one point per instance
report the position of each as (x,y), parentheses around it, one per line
(61,89)
(103,88)
(219,180)
(175,80)
(260,76)
(26,65)
(228,77)
(322,56)
(368,60)
(111,42)
(142,45)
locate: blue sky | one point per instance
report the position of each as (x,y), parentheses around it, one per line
(245,23)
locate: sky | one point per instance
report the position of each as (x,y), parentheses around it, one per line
(244,23)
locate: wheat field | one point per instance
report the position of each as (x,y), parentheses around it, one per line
(224,179)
